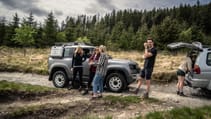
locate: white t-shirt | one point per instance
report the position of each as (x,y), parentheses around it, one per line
(186,65)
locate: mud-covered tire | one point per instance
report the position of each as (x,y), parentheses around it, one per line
(59,79)
(115,82)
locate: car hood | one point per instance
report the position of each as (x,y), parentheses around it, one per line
(178,45)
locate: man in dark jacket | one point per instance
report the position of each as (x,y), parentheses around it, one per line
(149,56)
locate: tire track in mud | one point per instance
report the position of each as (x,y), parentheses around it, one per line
(163,92)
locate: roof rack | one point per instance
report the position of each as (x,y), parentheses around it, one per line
(70,43)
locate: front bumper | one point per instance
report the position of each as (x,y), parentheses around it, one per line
(132,78)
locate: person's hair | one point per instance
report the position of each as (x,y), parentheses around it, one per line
(103,48)
(150,38)
(191,54)
(79,50)
(96,48)
(188,54)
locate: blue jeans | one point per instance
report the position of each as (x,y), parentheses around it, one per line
(98,83)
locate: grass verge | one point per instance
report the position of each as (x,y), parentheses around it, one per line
(38,111)
(121,100)
(10,91)
(127,100)
(11,86)
(181,113)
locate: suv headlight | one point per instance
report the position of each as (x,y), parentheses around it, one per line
(134,68)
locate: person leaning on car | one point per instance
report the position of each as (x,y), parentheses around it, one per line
(185,67)
(77,66)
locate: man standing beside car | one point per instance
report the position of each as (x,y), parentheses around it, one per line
(149,56)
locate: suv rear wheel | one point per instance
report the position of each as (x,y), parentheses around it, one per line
(115,82)
(59,79)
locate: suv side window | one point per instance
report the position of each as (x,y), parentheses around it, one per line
(68,52)
(88,52)
(209,59)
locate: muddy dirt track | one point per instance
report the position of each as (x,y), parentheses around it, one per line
(73,104)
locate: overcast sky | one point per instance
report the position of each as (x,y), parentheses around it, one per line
(64,8)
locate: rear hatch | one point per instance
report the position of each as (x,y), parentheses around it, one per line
(178,45)
(194,47)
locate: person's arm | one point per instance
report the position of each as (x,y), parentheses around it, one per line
(148,53)
(73,60)
(83,57)
(189,65)
(91,58)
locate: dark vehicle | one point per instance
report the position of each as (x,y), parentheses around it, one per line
(120,73)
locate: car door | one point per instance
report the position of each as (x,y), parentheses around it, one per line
(87,53)
(67,59)
(208,65)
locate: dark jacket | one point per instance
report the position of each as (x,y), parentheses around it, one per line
(150,61)
(77,60)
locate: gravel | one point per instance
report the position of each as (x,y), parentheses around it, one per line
(165,92)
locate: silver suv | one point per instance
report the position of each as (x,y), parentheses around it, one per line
(201,76)
(120,72)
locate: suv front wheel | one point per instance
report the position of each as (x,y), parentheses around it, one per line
(59,79)
(115,82)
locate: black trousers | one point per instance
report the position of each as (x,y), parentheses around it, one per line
(91,77)
(77,70)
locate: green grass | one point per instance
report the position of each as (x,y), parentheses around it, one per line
(122,100)
(47,110)
(181,113)
(11,86)
(126,100)
(152,100)
(178,113)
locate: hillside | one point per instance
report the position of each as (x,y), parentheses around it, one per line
(35,61)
